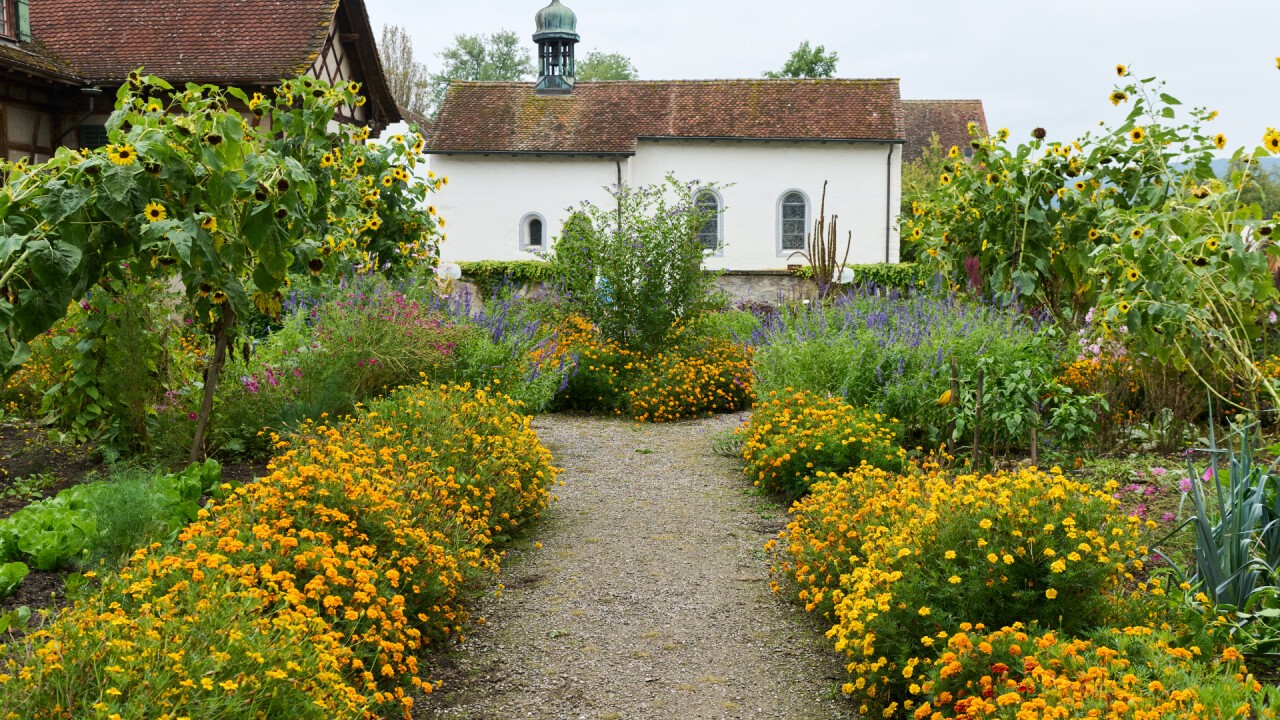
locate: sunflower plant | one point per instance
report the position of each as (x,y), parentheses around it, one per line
(1132,221)
(225,193)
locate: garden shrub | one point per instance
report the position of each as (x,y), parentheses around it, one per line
(490,275)
(705,376)
(1018,672)
(635,268)
(893,353)
(313,593)
(790,439)
(695,376)
(893,560)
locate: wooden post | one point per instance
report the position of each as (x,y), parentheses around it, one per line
(955,403)
(225,324)
(977,424)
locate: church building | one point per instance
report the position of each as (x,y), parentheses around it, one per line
(520,155)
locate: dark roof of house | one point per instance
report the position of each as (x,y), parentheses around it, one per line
(611,117)
(33,57)
(217,41)
(948,118)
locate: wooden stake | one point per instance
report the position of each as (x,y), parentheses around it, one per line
(977,423)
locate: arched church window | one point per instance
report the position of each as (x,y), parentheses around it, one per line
(711,234)
(793,221)
(533,233)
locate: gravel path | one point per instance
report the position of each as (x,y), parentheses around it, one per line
(649,600)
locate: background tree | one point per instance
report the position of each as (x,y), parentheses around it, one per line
(599,65)
(1261,186)
(498,58)
(808,62)
(408,79)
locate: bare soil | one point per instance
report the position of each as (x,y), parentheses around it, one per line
(649,599)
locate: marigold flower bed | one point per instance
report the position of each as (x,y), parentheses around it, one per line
(895,562)
(696,377)
(790,439)
(313,593)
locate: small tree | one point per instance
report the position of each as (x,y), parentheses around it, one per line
(606,66)
(499,58)
(408,79)
(635,270)
(808,62)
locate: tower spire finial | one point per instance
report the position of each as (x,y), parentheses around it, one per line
(556,36)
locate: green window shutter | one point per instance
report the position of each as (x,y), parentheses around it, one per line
(24,21)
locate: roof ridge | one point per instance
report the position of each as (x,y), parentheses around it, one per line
(948,100)
(521,83)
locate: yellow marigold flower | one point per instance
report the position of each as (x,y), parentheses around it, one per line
(1051,593)
(955,580)
(951,555)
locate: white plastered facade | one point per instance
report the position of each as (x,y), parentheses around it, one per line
(489,196)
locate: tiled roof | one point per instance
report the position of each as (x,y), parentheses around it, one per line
(948,118)
(216,41)
(34,57)
(610,117)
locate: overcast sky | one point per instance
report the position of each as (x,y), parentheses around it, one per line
(1033,63)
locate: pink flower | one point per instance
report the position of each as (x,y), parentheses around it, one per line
(1185,485)
(1158,471)
(1168,518)
(192,417)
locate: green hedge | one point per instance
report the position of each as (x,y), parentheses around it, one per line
(902,276)
(488,275)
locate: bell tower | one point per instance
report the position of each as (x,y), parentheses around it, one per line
(556,37)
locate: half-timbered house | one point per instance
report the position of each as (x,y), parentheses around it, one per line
(62,61)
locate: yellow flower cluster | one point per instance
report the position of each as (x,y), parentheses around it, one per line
(1134,672)
(697,376)
(789,439)
(710,376)
(895,562)
(312,593)
(1270,367)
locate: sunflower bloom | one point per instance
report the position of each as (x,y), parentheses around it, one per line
(1118,97)
(1137,134)
(218,297)
(1121,70)
(1124,308)
(1133,275)
(1211,244)
(121,154)
(155,212)
(1271,141)
(945,179)
(209,223)
(1220,141)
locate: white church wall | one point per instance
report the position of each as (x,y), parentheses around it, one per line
(488,196)
(759,174)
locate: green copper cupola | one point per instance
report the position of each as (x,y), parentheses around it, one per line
(556,37)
